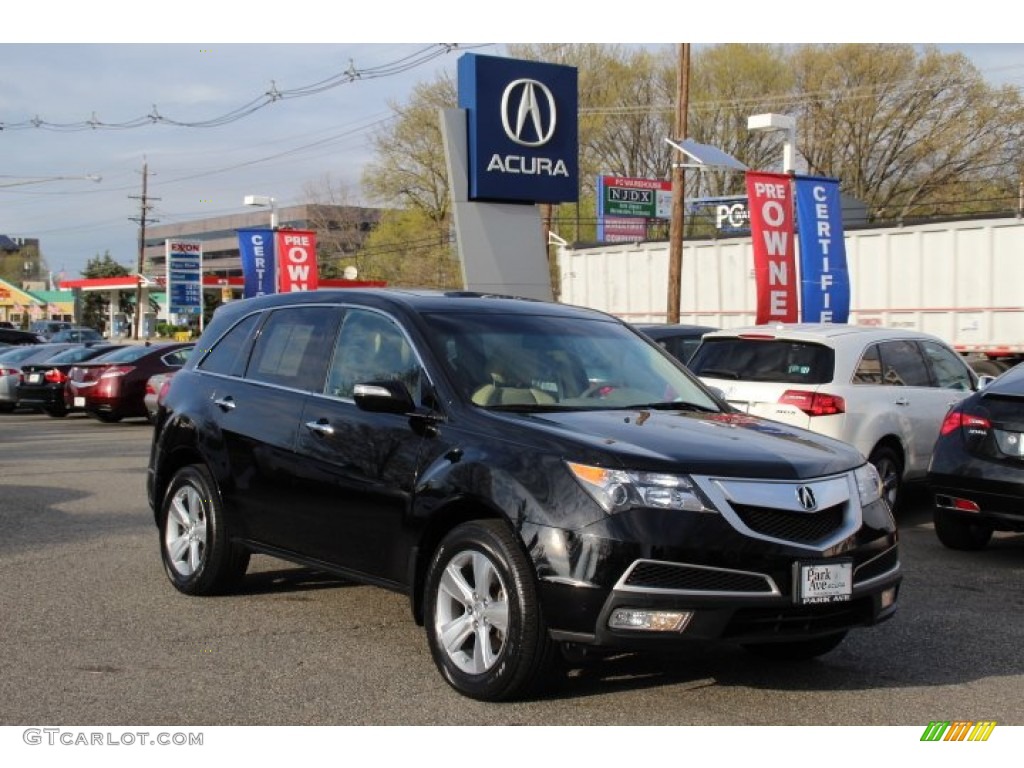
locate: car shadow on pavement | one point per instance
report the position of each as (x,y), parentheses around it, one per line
(28,522)
(289,579)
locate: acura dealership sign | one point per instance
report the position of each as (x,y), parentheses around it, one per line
(522,129)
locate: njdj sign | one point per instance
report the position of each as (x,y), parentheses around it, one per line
(522,131)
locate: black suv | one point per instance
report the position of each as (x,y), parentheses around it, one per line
(535,477)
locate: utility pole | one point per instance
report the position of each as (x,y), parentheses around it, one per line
(675,237)
(145,208)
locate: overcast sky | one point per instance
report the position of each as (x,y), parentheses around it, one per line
(81,69)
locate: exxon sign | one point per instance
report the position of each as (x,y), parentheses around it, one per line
(522,131)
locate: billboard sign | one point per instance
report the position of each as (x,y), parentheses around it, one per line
(623,196)
(522,130)
(184,277)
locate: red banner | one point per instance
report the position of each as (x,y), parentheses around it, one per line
(296,260)
(771,225)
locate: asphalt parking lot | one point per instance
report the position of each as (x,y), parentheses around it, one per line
(94,634)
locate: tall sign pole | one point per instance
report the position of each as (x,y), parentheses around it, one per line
(675,251)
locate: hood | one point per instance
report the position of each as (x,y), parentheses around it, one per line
(722,444)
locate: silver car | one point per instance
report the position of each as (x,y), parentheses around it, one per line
(883,390)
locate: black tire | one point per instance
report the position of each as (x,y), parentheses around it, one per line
(56,411)
(107,418)
(6,408)
(890,470)
(960,532)
(197,553)
(478,580)
(796,650)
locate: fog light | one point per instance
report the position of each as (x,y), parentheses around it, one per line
(651,621)
(888,597)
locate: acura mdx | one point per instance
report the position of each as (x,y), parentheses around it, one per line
(538,479)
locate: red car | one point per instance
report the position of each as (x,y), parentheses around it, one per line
(113,386)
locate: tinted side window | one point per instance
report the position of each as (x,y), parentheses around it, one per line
(950,371)
(371,347)
(178,357)
(225,357)
(869,371)
(903,365)
(294,346)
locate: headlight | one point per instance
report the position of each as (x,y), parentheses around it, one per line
(616,489)
(869,484)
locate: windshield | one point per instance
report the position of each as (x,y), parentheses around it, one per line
(533,362)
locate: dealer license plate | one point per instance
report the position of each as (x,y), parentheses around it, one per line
(79,402)
(34,378)
(822,582)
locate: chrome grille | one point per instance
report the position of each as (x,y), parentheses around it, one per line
(804,527)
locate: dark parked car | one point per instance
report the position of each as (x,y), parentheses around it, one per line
(453,447)
(42,384)
(15,337)
(681,341)
(977,468)
(11,361)
(113,386)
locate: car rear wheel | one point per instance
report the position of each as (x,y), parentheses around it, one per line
(107,418)
(198,556)
(959,532)
(890,469)
(482,614)
(796,650)
(56,411)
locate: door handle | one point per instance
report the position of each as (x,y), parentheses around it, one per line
(226,403)
(320,427)
(902,401)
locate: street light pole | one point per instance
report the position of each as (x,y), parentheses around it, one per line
(264,201)
(774,122)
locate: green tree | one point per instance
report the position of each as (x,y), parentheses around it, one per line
(410,249)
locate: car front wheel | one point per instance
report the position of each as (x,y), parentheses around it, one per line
(198,556)
(482,614)
(959,532)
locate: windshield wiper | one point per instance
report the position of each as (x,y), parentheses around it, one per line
(671,406)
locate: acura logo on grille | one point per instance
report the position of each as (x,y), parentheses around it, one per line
(805,496)
(535,133)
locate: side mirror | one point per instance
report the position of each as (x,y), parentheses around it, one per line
(984,380)
(383,397)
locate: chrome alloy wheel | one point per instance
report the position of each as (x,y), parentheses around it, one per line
(472,612)
(185,536)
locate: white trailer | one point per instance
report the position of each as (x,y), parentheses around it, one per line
(960,280)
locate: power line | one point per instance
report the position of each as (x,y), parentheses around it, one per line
(272,95)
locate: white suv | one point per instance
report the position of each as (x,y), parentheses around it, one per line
(884,390)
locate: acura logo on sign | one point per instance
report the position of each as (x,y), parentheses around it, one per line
(806,497)
(524,121)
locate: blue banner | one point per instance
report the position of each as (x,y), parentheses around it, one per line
(256,247)
(824,279)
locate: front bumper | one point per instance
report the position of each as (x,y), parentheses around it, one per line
(732,586)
